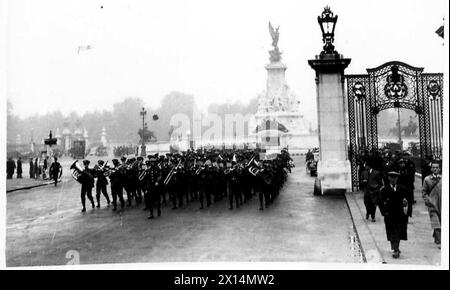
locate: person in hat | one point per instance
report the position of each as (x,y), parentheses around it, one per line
(388,164)
(102,182)
(154,183)
(406,179)
(233,183)
(131,180)
(56,171)
(432,195)
(86,187)
(393,206)
(371,183)
(140,186)
(31,168)
(10,167)
(19,168)
(266,180)
(116,178)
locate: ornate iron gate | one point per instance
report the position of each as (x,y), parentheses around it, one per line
(394,85)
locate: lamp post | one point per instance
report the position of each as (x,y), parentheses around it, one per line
(400,141)
(327,21)
(143,113)
(333,168)
(188,136)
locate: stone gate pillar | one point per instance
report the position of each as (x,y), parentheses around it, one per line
(334,171)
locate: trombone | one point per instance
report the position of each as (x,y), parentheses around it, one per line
(172,171)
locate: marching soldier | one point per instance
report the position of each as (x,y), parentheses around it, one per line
(116,179)
(102,182)
(265,193)
(154,187)
(202,185)
(234,190)
(86,187)
(140,187)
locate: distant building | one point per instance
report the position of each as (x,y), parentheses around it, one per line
(68,136)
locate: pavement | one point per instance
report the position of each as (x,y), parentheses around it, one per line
(25,183)
(419,249)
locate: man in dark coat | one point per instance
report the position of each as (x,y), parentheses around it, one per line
(371,183)
(431,193)
(44,168)
(19,168)
(116,180)
(102,182)
(55,171)
(154,182)
(32,168)
(406,179)
(37,169)
(393,206)
(86,187)
(10,167)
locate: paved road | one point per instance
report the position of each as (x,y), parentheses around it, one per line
(45,223)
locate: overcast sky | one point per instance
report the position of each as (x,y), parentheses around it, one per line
(215,50)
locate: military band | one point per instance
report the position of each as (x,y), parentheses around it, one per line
(185,177)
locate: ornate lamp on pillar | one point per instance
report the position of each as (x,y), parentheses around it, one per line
(50,141)
(327,22)
(333,167)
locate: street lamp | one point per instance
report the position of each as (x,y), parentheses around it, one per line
(327,21)
(188,135)
(143,113)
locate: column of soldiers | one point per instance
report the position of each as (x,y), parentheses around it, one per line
(191,176)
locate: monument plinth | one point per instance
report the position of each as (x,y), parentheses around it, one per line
(333,168)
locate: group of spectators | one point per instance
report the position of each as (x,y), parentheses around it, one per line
(37,168)
(11,168)
(387,179)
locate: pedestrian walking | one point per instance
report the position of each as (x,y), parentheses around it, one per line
(393,206)
(431,193)
(371,184)
(55,171)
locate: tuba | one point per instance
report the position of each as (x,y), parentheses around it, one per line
(254,171)
(79,174)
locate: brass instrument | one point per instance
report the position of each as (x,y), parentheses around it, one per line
(79,174)
(108,172)
(172,171)
(197,172)
(250,162)
(143,174)
(254,171)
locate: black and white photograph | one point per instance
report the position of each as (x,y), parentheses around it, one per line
(208,134)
